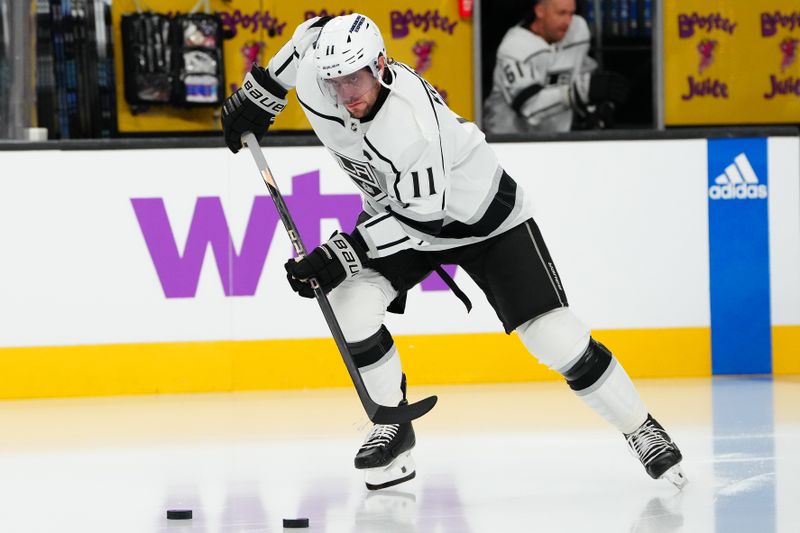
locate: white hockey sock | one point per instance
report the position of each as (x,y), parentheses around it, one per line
(615,398)
(383,378)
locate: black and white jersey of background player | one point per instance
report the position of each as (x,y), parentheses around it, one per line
(433,193)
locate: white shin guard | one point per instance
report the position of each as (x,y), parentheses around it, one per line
(383,379)
(563,343)
(615,398)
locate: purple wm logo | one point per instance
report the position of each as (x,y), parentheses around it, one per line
(240,272)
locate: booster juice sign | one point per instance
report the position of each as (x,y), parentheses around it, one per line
(734,63)
(691,25)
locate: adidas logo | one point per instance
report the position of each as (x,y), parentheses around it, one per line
(739,182)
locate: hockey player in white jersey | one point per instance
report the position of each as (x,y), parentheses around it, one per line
(433,193)
(544,79)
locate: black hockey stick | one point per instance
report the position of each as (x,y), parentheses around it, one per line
(379,414)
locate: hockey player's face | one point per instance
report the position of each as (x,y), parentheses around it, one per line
(555,16)
(357,91)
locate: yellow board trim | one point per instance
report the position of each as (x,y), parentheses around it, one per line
(785,350)
(64,371)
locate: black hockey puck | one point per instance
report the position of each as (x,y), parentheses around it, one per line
(179,514)
(295,522)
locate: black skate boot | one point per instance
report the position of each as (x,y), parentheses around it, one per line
(659,455)
(385,455)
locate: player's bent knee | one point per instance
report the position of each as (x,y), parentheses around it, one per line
(557,339)
(563,343)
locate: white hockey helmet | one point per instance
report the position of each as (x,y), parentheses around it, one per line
(346,44)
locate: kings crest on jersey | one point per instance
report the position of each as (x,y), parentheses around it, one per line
(427,177)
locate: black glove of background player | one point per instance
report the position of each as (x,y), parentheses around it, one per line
(594,98)
(342,257)
(253,107)
(608,87)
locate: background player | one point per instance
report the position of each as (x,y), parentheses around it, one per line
(544,79)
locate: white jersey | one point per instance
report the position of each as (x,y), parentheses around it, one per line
(531,84)
(428,178)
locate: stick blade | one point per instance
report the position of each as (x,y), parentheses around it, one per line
(403,413)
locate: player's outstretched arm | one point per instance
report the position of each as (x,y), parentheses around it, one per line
(262,96)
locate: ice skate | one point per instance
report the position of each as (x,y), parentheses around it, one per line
(385,456)
(658,454)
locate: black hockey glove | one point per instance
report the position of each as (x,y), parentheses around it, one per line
(608,87)
(342,257)
(600,117)
(594,98)
(253,107)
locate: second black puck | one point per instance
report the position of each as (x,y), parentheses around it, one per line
(179,514)
(295,522)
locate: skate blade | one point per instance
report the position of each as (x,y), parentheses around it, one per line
(675,476)
(400,470)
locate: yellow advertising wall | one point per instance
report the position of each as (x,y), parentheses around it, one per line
(429,36)
(731,61)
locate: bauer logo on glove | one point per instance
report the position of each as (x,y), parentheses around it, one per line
(252,108)
(262,97)
(348,257)
(342,257)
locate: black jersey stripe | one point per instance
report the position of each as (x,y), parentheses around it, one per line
(390,244)
(321,115)
(537,53)
(380,155)
(498,211)
(376,220)
(523,96)
(286,63)
(431,227)
(570,45)
(387,160)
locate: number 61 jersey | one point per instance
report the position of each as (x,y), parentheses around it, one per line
(531,80)
(428,178)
